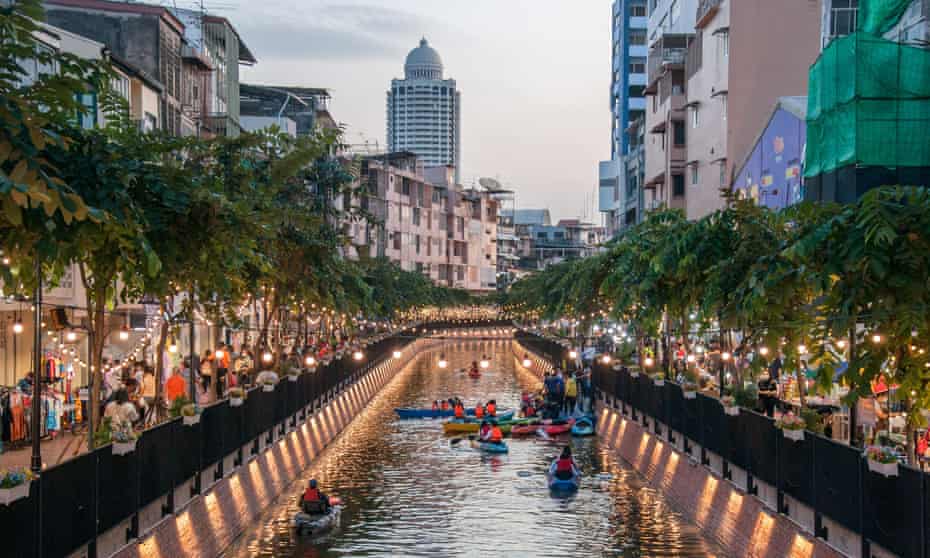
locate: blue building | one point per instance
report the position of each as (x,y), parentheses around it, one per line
(629,49)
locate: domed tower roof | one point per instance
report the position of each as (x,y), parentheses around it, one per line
(423,62)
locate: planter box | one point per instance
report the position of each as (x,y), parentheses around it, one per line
(886,469)
(18,492)
(267,388)
(292,377)
(734,412)
(689,394)
(235,401)
(122,448)
(191,420)
(796,435)
(659,383)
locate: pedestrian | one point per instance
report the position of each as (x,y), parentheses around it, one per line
(206,372)
(175,386)
(571,393)
(768,393)
(148,394)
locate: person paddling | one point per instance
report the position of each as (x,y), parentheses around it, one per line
(496,436)
(445,405)
(492,408)
(479,411)
(564,468)
(484,433)
(435,405)
(459,410)
(313,500)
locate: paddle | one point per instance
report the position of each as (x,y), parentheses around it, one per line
(457,441)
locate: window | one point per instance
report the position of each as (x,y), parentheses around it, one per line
(397,241)
(723,173)
(678,132)
(638,10)
(637,65)
(695,117)
(416,216)
(678,185)
(655,103)
(725,39)
(637,37)
(635,91)
(694,174)
(416,243)
(843,15)
(723,99)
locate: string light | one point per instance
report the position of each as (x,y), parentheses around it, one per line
(691,358)
(267,356)
(763,351)
(725,356)
(397,354)
(71,336)
(17,326)
(310,361)
(573,354)
(648,362)
(841,343)
(358,355)
(124,333)
(876,338)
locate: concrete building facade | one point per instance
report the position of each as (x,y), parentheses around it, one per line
(627,102)
(446,232)
(423,111)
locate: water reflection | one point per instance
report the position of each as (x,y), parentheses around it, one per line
(409,493)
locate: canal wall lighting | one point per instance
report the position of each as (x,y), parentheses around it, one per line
(397,354)
(17,327)
(485,363)
(124,333)
(442,361)
(527,362)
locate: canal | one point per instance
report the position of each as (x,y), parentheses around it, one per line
(409,492)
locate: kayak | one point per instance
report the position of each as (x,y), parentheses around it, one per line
(490,447)
(459,427)
(583,427)
(545,426)
(564,485)
(414,413)
(317,523)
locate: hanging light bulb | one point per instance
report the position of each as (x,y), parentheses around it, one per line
(71,336)
(309,360)
(763,351)
(267,356)
(397,354)
(124,333)
(573,354)
(220,353)
(526,361)
(172,346)
(358,355)
(17,326)
(605,359)
(691,358)
(648,362)
(802,349)
(876,338)
(841,343)
(726,356)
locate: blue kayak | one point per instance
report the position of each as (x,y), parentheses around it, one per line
(490,447)
(412,413)
(564,485)
(583,427)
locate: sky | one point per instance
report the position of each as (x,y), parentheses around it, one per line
(534,77)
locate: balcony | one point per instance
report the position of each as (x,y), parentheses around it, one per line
(705,12)
(662,59)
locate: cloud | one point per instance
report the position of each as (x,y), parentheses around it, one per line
(327,31)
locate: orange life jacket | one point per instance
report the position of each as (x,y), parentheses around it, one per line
(479,411)
(492,409)
(311,495)
(435,406)
(445,405)
(459,411)
(496,435)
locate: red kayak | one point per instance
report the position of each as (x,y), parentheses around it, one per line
(546,426)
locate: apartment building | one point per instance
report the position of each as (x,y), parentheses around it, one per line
(194,56)
(627,102)
(299,111)
(446,232)
(840,18)
(716,69)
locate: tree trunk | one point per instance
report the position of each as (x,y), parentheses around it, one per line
(160,359)
(96,293)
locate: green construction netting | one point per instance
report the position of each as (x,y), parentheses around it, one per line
(868,104)
(879,16)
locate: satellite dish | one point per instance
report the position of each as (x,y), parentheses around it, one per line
(490,184)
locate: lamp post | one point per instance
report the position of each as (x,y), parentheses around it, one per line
(37,369)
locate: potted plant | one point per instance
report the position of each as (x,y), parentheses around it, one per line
(658,379)
(268,384)
(236,396)
(882,460)
(189,414)
(689,389)
(124,438)
(729,405)
(792,426)
(14,485)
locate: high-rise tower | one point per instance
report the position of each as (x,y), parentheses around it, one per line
(423,111)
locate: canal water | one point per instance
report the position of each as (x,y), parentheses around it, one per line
(409,492)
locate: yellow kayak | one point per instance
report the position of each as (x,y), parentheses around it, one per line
(453,427)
